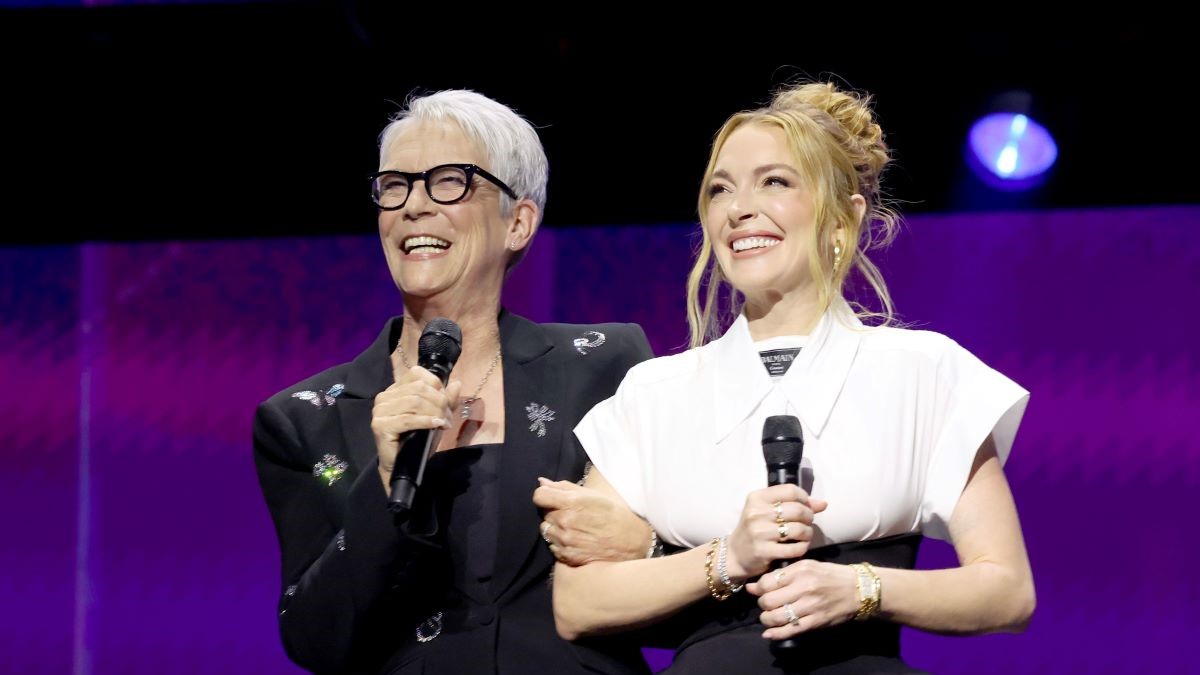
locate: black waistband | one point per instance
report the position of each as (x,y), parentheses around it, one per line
(709,619)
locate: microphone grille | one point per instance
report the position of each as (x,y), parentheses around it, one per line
(780,427)
(441,336)
(782,440)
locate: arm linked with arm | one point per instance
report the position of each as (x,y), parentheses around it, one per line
(608,597)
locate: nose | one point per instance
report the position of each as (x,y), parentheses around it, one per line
(418,204)
(741,209)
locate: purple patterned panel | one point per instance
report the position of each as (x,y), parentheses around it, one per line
(530,288)
(195,336)
(40,338)
(627,273)
(163,558)
(1094,311)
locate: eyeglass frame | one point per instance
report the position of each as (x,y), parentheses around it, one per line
(471,170)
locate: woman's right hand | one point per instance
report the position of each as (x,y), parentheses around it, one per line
(416,400)
(756,540)
(585,524)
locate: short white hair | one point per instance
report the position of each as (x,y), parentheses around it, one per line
(514,152)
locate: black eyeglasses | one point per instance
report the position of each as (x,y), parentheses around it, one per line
(445,184)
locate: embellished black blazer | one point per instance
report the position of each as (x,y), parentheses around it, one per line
(362,593)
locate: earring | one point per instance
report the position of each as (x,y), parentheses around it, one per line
(512,244)
(837,257)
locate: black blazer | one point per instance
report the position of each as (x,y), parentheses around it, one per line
(356,585)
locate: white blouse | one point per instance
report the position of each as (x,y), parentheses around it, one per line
(892,421)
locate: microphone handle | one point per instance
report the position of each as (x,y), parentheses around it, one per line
(779,474)
(406,479)
(404,489)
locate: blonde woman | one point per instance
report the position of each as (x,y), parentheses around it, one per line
(905,431)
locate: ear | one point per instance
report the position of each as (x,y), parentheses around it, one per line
(859,204)
(523,225)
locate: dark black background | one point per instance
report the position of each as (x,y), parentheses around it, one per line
(199,120)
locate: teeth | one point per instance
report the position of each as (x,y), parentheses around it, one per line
(423,242)
(747,243)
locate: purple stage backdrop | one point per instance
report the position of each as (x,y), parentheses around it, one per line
(141,543)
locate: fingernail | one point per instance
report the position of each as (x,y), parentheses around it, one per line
(439,422)
(543,480)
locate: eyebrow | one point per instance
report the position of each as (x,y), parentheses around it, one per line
(766,168)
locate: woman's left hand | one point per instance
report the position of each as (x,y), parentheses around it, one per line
(819,594)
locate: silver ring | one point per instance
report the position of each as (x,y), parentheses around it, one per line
(779,578)
(791,615)
(545,531)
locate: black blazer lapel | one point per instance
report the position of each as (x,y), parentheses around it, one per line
(533,436)
(369,374)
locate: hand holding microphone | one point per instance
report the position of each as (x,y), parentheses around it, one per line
(776,522)
(409,416)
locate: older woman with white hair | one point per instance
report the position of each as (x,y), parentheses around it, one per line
(461,584)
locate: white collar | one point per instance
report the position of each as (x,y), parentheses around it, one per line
(812,383)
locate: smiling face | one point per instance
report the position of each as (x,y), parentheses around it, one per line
(789,204)
(760,213)
(436,249)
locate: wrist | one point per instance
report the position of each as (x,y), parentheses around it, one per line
(868,591)
(737,571)
(721,586)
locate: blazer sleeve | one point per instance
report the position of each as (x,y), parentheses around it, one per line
(341,587)
(629,348)
(605,432)
(637,351)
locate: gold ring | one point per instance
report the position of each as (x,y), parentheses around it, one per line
(783,531)
(779,512)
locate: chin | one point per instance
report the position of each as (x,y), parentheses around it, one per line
(418,287)
(751,283)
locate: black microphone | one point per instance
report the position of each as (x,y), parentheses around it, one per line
(783,447)
(437,352)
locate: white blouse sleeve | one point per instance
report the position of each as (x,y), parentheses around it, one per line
(971,401)
(608,435)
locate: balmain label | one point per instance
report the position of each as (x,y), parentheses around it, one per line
(777,361)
